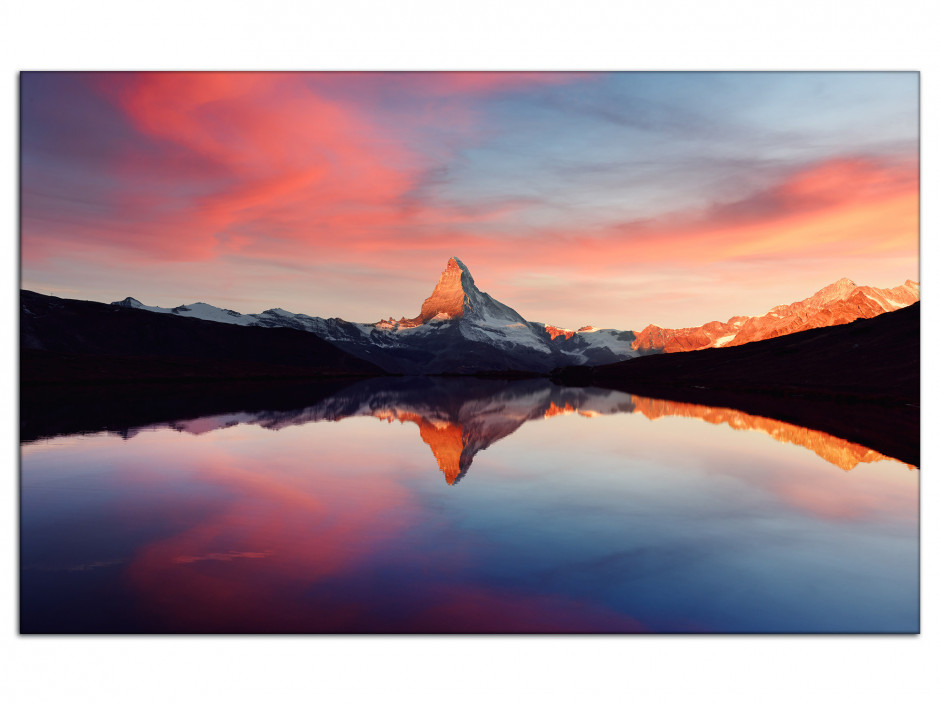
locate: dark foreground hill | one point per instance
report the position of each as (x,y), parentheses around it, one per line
(68,341)
(859,381)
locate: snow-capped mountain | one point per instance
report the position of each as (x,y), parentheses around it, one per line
(458,329)
(840,302)
(461,329)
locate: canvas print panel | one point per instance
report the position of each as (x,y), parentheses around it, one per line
(394,353)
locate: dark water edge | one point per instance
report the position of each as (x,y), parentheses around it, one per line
(54,410)
(890,428)
(47,411)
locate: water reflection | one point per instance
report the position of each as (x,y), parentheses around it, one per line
(609,512)
(838,451)
(459,417)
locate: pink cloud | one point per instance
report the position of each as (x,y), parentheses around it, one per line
(279,168)
(265,164)
(844,207)
(312,171)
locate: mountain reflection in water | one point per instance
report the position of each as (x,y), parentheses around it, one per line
(459,417)
(610,512)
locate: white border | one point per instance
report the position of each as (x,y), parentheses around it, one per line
(484,34)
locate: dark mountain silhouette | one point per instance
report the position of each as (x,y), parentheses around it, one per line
(63,340)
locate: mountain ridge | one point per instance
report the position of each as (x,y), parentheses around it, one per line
(841,302)
(459,330)
(64,340)
(462,330)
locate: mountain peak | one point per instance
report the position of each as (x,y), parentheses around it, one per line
(834,292)
(841,284)
(450,294)
(129,302)
(454,265)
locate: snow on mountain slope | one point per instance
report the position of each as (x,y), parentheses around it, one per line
(481,317)
(463,330)
(597,346)
(199,310)
(840,302)
(458,329)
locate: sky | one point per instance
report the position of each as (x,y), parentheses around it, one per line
(606,199)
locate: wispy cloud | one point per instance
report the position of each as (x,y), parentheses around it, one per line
(267,187)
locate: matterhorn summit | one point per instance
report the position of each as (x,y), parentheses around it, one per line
(456,296)
(462,330)
(459,329)
(452,295)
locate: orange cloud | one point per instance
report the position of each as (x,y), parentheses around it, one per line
(274,165)
(837,208)
(296,160)
(328,174)
(462,82)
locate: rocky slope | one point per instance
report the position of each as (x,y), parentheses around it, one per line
(459,329)
(838,303)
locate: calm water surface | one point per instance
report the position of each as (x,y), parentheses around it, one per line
(467,506)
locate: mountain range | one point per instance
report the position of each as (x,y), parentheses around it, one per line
(841,302)
(68,341)
(462,330)
(458,330)
(858,381)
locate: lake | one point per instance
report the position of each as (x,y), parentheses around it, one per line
(451,505)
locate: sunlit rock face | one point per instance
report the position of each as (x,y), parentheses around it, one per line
(840,302)
(450,295)
(462,330)
(449,299)
(459,330)
(555,332)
